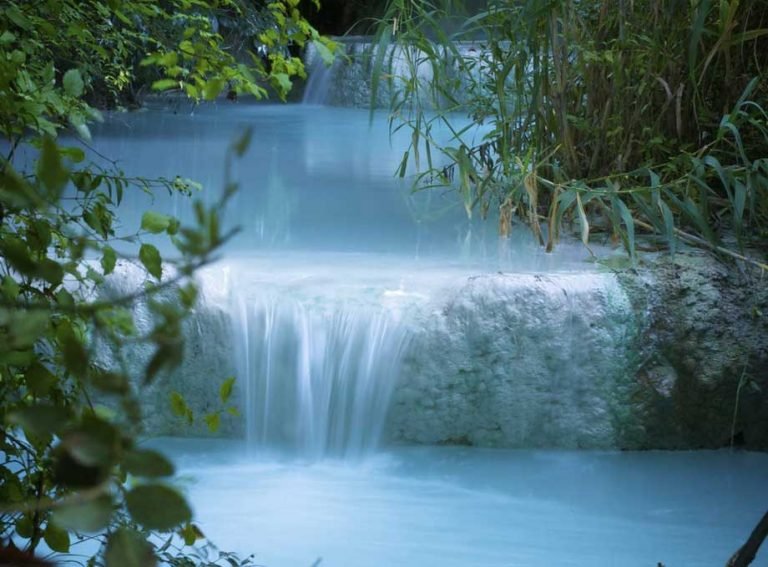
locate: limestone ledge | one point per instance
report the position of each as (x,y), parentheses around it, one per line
(649,357)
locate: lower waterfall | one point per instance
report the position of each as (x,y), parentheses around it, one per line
(317,381)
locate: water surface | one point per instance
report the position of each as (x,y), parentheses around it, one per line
(315,179)
(332,246)
(465,507)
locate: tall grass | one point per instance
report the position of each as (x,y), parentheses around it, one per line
(622,117)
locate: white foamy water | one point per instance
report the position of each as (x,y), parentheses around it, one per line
(460,507)
(321,343)
(318,380)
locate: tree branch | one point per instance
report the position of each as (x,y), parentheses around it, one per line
(747,552)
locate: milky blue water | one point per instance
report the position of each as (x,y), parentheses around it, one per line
(460,507)
(316,179)
(318,195)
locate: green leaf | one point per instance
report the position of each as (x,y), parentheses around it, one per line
(87,516)
(187,48)
(17,253)
(629,223)
(75,355)
(669,225)
(65,299)
(128,548)
(108,260)
(27,328)
(157,507)
(212,89)
(118,320)
(155,222)
(583,221)
(50,170)
(225,391)
(56,538)
(283,81)
(191,533)
(40,420)
(147,463)
(165,84)
(178,405)
(188,295)
(7,37)
(240,146)
(51,271)
(94,276)
(111,382)
(24,527)
(325,54)
(75,154)
(17,17)
(93,443)
(10,287)
(73,83)
(192,91)
(213,421)
(166,356)
(82,129)
(39,379)
(150,257)
(403,164)
(169,59)
(78,122)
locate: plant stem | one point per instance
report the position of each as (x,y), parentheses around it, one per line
(747,552)
(692,239)
(736,403)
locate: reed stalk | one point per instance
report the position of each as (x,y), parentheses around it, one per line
(650,111)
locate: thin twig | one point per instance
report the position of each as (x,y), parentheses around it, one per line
(736,403)
(747,552)
(692,239)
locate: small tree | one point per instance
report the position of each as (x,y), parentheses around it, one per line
(66,459)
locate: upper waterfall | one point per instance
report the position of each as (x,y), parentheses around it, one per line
(318,84)
(348,82)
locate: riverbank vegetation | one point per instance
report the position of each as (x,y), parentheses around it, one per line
(621,118)
(73,470)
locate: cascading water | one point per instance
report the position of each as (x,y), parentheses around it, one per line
(320,75)
(348,81)
(318,381)
(329,295)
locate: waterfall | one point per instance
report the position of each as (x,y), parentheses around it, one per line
(318,380)
(348,81)
(319,83)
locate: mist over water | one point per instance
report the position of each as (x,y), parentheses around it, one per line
(314,178)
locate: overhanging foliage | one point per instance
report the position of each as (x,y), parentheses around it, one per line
(625,117)
(71,464)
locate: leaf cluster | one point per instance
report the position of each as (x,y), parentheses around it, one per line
(644,116)
(73,469)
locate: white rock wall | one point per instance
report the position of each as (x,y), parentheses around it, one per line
(566,360)
(518,361)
